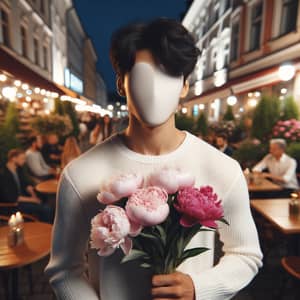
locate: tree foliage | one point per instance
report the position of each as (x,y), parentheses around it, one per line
(265,115)
(228,116)
(290,109)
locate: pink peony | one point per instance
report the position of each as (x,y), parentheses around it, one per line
(199,206)
(110,230)
(171,180)
(119,187)
(287,135)
(281,129)
(148,206)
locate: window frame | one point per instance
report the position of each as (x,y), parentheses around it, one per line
(5,41)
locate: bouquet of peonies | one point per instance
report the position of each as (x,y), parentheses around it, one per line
(154,219)
(288,130)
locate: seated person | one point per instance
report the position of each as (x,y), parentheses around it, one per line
(222,144)
(51,150)
(282,168)
(15,187)
(35,161)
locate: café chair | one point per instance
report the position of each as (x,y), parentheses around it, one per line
(291,264)
(9,208)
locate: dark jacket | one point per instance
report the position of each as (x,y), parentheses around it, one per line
(9,191)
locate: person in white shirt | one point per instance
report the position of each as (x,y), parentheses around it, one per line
(153,61)
(35,161)
(281,167)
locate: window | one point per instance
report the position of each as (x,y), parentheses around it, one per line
(5,27)
(24,41)
(235,34)
(36,50)
(256,23)
(214,12)
(45,57)
(288,16)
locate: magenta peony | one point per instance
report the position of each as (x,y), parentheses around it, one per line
(110,230)
(119,187)
(148,206)
(199,206)
(171,179)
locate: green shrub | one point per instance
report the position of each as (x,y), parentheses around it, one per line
(201,125)
(265,115)
(293,150)
(67,108)
(228,116)
(183,122)
(60,125)
(249,153)
(290,109)
(8,131)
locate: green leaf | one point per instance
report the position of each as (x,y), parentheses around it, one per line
(191,253)
(134,254)
(224,221)
(162,233)
(145,265)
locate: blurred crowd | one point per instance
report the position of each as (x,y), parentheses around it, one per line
(43,158)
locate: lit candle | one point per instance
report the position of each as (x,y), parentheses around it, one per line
(12,221)
(19,218)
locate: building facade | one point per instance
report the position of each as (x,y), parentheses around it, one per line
(248,48)
(59,9)
(101,92)
(45,53)
(74,73)
(26,33)
(89,70)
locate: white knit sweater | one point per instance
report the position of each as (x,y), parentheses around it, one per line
(107,279)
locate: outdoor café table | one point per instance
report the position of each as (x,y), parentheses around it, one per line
(276,211)
(37,240)
(263,185)
(47,187)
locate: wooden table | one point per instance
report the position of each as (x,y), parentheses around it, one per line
(263,185)
(37,241)
(47,187)
(276,211)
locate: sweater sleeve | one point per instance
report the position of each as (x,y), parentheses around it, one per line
(242,255)
(66,268)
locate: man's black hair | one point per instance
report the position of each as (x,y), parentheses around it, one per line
(32,140)
(169,42)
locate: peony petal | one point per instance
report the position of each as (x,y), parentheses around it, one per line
(186,221)
(146,217)
(209,223)
(135,228)
(107,197)
(126,246)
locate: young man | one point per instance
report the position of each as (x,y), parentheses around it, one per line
(16,187)
(51,150)
(152,62)
(222,144)
(281,168)
(35,161)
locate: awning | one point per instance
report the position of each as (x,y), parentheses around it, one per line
(21,72)
(241,85)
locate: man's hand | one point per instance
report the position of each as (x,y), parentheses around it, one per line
(173,286)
